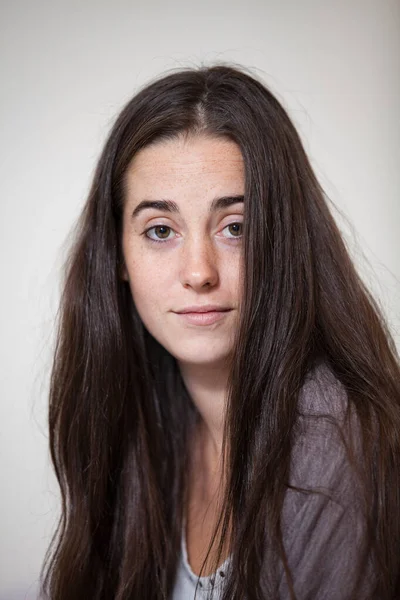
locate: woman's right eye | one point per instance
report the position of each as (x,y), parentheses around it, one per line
(160,233)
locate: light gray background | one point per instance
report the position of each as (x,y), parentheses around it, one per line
(66,70)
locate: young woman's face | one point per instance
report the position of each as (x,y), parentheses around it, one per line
(182,245)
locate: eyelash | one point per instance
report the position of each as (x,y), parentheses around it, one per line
(162,241)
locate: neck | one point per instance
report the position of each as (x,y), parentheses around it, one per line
(207,386)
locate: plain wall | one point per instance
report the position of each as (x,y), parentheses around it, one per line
(66,70)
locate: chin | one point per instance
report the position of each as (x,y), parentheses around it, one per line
(214,350)
(202,357)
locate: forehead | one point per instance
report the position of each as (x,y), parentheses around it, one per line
(208,162)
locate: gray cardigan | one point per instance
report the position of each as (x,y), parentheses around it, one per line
(322,536)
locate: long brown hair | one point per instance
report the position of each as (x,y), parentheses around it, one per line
(120,416)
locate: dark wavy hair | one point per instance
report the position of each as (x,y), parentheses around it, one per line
(120,416)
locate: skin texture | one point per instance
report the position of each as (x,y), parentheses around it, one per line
(198,263)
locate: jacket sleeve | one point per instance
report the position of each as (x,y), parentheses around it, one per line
(324,532)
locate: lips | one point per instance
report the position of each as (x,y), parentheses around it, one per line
(203,309)
(203,315)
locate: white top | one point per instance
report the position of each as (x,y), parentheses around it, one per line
(186,579)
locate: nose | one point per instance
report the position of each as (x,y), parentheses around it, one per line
(199,269)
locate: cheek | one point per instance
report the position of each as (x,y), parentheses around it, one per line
(149,295)
(234,270)
(141,279)
(147,281)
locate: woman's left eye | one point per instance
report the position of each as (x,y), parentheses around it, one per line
(235,229)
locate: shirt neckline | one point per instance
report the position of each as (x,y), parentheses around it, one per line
(205,582)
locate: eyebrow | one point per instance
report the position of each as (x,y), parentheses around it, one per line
(172,207)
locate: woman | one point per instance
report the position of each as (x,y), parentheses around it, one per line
(224,403)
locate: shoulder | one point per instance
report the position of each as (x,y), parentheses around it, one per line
(326,433)
(322,394)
